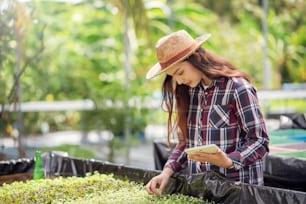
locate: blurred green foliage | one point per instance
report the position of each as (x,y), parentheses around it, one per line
(76,51)
(73,151)
(298,154)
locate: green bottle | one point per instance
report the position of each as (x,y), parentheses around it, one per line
(39,172)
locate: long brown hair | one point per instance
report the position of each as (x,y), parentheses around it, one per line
(176,97)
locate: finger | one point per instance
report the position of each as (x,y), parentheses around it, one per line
(154,188)
(148,188)
(219,151)
(162,187)
(150,192)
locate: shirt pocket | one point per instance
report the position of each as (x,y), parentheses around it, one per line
(220,116)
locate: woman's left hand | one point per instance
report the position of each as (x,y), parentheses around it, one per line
(219,159)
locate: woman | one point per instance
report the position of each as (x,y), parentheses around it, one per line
(213,103)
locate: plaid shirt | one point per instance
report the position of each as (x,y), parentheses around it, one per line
(226,113)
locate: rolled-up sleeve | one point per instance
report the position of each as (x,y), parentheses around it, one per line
(177,159)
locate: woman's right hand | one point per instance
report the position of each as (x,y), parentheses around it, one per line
(157,184)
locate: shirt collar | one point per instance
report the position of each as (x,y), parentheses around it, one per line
(218,82)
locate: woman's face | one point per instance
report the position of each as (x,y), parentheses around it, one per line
(185,73)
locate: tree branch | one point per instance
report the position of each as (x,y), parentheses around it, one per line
(27,62)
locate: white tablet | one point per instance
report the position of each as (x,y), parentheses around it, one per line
(211,148)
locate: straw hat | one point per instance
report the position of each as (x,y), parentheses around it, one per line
(174,48)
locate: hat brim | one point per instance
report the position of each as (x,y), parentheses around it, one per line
(157,69)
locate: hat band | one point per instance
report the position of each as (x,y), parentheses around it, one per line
(178,56)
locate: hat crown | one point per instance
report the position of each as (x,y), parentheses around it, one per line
(173,49)
(170,45)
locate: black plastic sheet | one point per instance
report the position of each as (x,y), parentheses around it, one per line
(285,172)
(294,121)
(209,186)
(161,153)
(265,194)
(16,166)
